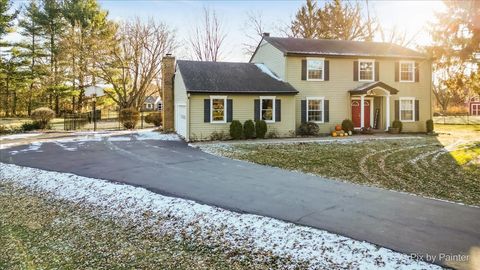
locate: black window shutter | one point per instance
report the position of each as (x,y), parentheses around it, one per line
(417,72)
(206,110)
(326,114)
(397,110)
(229,110)
(304,110)
(304,70)
(355,70)
(397,70)
(377,71)
(256,109)
(326,65)
(417,110)
(278,110)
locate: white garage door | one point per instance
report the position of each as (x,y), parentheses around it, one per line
(181,120)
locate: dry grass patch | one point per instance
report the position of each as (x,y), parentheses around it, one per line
(444,167)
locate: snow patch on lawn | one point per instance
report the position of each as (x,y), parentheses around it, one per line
(152,135)
(19,136)
(211,225)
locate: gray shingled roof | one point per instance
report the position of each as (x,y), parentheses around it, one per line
(325,47)
(227,77)
(363,89)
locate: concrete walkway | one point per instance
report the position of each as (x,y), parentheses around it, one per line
(402,222)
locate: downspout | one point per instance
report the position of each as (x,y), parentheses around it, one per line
(188,118)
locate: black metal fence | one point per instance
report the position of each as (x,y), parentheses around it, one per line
(105,120)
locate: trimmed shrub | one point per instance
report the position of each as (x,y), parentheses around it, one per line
(260,128)
(236,130)
(249,129)
(397,124)
(308,129)
(42,116)
(347,125)
(28,126)
(129,117)
(154,118)
(430,126)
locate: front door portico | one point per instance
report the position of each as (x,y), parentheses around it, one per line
(357,112)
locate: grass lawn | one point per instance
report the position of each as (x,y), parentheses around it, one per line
(41,233)
(444,167)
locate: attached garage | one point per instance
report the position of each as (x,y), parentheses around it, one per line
(181,120)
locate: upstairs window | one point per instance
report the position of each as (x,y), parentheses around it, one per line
(217,109)
(366,69)
(407,71)
(267,105)
(315,69)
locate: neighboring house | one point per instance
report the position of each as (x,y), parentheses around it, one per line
(474,106)
(289,81)
(152,104)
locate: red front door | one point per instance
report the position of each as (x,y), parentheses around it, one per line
(356,113)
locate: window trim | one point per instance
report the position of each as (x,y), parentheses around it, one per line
(224,109)
(323,109)
(373,69)
(400,109)
(273,108)
(400,70)
(323,69)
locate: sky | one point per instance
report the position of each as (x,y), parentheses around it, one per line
(411,16)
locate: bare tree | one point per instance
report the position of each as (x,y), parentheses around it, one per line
(253,29)
(397,36)
(208,37)
(134,64)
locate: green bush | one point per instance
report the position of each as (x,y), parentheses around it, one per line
(154,118)
(249,129)
(430,126)
(236,130)
(42,116)
(308,129)
(28,126)
(129,117)
(260,128)
(347,125)
(397,124)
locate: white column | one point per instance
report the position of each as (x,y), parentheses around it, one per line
(387,124)
(362,111)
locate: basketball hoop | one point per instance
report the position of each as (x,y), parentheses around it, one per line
(94,91)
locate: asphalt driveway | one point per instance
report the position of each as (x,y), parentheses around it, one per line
(402,222)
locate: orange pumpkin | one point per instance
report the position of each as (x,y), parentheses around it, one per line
(338,127)
(334,134)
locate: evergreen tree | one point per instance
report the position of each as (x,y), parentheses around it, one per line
(51,20)
(33,51)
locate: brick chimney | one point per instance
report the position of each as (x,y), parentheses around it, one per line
(168,70)
(265,34)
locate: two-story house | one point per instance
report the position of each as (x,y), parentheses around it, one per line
(289,81)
